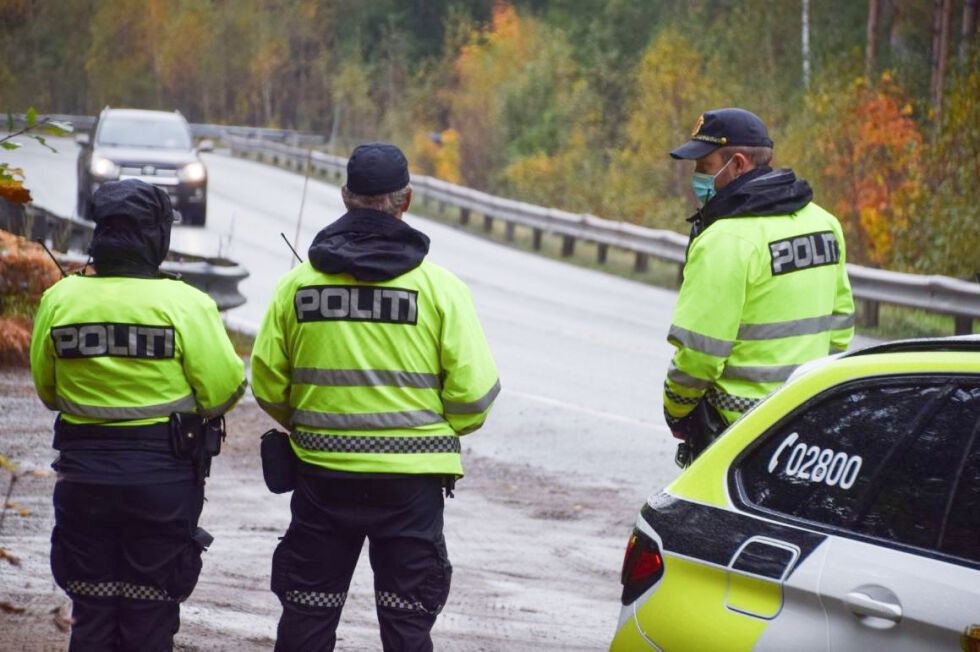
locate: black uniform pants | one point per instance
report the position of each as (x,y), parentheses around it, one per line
(127,556)
(313,564)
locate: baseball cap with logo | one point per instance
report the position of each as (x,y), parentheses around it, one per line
(722,128)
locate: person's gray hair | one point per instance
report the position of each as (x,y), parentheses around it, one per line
(389,202)
(757,156)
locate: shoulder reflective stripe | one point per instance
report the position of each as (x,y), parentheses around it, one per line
(763,374)
(186,404)
(317,599)
(473,407)
(681,400)
(794,327)
(117,589)
(365,420)
(682,378)
(713,535)
(725,401)
(701,343)
(269,405)
(365,377)
(218,410)
(843,320)
(371,444)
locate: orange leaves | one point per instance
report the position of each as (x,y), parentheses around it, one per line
(872,150)
(13,190)
(437,154)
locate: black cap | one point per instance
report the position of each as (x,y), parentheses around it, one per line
(376,169)
(142,203)
(722,128)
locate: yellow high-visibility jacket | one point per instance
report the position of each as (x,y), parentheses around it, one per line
(375,376)
(760,296)
(119,350)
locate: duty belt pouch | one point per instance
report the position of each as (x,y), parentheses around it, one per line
(186,435)
(278,462)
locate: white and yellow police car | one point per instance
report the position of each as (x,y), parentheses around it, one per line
(842,513)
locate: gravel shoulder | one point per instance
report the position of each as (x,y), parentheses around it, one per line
(536,557)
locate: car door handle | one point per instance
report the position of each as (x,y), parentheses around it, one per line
(863,604)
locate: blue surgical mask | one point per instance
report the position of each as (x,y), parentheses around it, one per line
(704,184)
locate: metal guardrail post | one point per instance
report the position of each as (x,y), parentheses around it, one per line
(602,254)
(567,246)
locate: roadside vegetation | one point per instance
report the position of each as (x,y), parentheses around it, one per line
(566,103)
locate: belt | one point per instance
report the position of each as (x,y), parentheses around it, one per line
(76,436)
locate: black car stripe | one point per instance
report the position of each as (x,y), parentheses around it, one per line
(714,535)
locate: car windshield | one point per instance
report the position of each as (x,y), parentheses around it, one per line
(138,132)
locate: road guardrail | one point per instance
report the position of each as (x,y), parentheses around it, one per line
(938,294)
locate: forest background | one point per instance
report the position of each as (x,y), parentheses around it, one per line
(566,103)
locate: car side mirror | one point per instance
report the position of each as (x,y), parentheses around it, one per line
(82,139)
(206,145)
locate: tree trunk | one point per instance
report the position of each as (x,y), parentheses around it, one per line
(805,42)
(969,27)
(893,18)
(872,44)
(942,11)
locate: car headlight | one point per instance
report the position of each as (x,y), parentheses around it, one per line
(192,172)
(103,167)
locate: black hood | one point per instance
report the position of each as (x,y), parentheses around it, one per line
(132,228)
(759,192)
(369,245)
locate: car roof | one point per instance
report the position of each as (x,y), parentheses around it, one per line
(144,114)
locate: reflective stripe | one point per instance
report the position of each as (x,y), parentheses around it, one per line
(682,378)
(842,321)
(317,599)
(269,405)
(186,404)
(473,407)
(725,401)
(117,589)
(701,343)
(365,420)
(681,400)
(218,410)
(395,601)
(369,444)
(794,327)
(365,377)
(764,374)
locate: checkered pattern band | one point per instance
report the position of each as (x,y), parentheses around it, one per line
(370,444)
(117,589)
(317,599)
(681,400)
(395,601)
(724,401)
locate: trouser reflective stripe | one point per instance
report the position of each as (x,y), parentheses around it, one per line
(317,599)
(394,601)
(116,589)
(372,444)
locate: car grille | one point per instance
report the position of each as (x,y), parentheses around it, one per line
(147,171)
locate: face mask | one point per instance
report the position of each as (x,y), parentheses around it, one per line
(704,184)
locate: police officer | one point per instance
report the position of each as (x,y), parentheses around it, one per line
(765,288)
(118,354)
(374,359)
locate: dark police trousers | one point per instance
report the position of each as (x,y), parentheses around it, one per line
(401,516)
(127,556)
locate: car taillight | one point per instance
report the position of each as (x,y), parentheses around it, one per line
(643,566)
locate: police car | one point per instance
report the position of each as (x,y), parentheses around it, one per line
(842,513)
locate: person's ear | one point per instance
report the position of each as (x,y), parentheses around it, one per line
(408,201)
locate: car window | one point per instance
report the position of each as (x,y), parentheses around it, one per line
(877,461)
(961,531)
(137,132)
